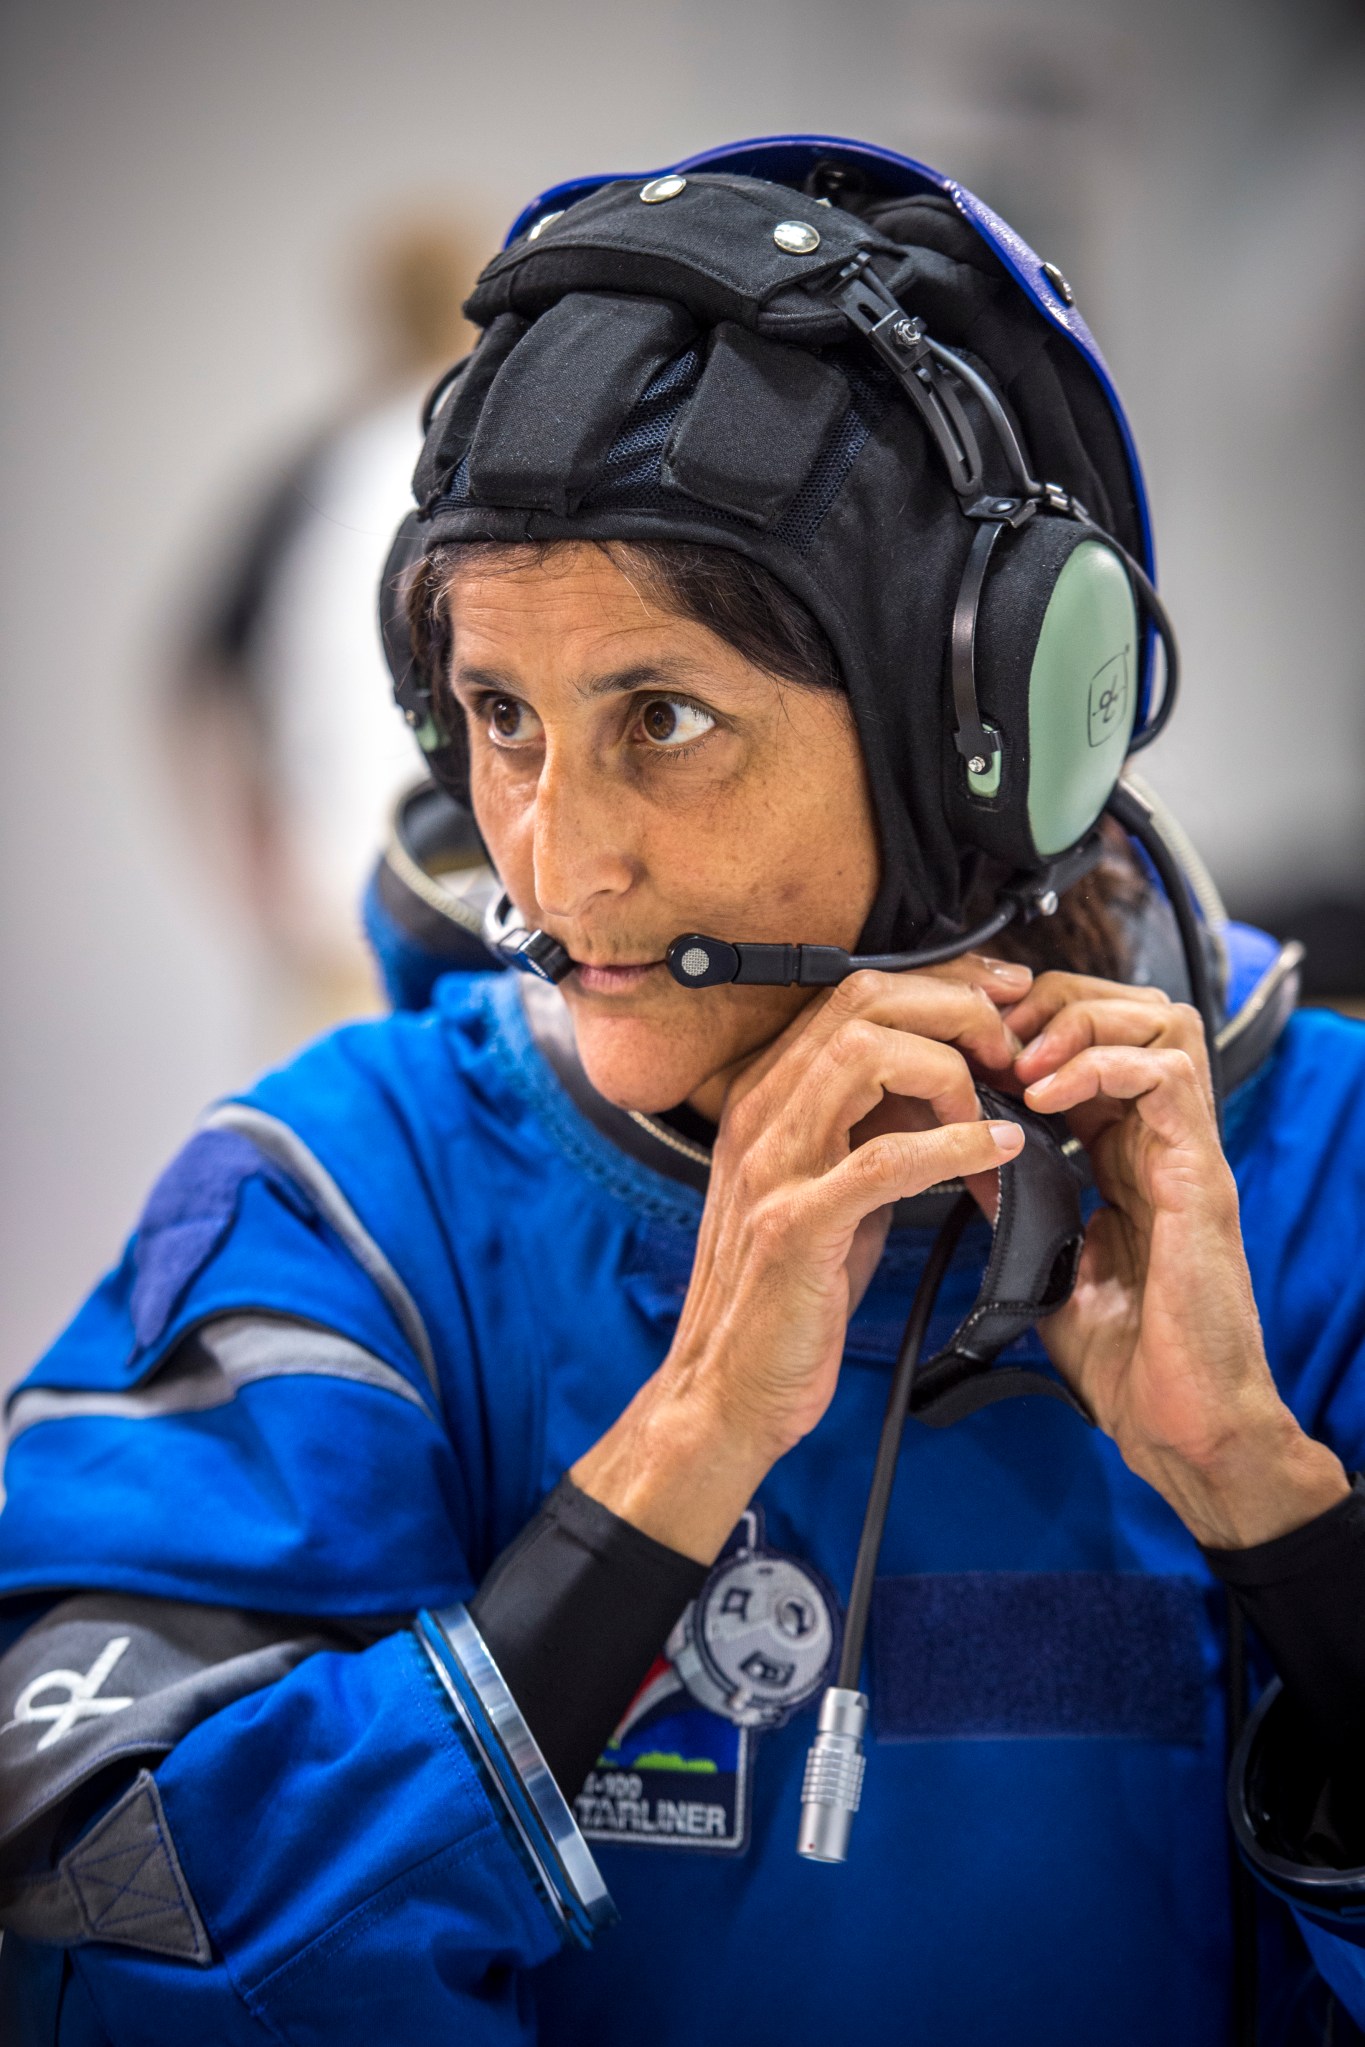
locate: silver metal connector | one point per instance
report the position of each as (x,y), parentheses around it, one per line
(833,1782)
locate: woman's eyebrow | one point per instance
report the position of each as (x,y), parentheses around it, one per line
(644,675)
(614,682)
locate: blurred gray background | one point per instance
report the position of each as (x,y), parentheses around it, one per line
(185,188)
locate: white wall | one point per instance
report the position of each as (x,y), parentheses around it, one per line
(181,180)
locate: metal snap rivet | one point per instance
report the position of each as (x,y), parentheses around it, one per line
(662,188)
(546,220)
(797,237)
(1059,284)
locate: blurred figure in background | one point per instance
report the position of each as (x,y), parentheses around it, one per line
(286,747)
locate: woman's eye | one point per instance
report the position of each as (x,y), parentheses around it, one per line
(671,721)
(510,722)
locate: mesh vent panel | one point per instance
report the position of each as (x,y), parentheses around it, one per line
(457,492)
(868,396)
(631,478)
(630,474)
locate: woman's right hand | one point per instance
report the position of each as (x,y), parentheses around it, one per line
(866,1098)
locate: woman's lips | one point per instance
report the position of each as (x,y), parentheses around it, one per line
(613,980)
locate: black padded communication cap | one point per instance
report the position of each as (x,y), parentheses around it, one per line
(665,362)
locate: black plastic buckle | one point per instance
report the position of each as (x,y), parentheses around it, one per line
(1039,893)
(1004,511)
(902,344)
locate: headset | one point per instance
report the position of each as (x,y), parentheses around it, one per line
(1048,650)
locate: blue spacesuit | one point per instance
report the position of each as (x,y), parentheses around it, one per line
(262,1778)
(371,1314)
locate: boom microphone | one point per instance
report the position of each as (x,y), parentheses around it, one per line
(697,961)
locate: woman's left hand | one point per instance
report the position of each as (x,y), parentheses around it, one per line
(1161,1337)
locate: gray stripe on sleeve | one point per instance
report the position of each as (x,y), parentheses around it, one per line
(288,1150)
(210,1364)
(247,1347)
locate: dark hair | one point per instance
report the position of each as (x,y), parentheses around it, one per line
(736,599)
(747,607)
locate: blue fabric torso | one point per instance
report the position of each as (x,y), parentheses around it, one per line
(1042,1853)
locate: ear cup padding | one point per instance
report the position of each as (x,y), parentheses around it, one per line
(1056,674)
(1082,696)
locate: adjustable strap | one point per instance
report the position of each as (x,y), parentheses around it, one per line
(933,378)
(903,346)
(1031,1272)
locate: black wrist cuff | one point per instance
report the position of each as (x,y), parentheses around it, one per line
(1304,1593)
(573,1613)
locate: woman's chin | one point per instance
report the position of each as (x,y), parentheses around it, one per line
(638,1063)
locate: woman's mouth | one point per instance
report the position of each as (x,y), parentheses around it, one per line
(613,980)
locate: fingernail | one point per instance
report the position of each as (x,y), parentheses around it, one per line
(1039,1087)
(1040,1043)
(1007,1138)
(1008,970)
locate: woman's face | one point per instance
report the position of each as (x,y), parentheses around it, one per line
(635,778)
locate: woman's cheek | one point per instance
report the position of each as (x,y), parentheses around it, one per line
(506,825)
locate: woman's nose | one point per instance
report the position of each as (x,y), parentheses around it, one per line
(580,845)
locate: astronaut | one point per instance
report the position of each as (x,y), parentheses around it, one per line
(426,1554)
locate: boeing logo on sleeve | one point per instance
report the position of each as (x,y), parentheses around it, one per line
(83,1695)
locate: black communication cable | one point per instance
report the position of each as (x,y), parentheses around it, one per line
(1135,817)
(889,1443)
(832,1786)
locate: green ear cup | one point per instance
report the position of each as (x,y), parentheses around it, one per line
(1082,696)
(1056,682)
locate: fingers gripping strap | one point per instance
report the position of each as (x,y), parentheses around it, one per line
(1030,1272)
